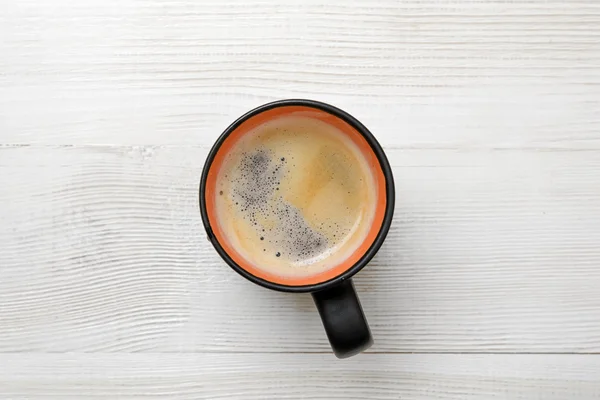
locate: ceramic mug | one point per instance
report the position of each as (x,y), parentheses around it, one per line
(333,292)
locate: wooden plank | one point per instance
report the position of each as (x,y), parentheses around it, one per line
(421,74)
(290,376)
(103,250)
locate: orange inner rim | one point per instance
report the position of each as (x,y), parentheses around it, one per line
(354,135)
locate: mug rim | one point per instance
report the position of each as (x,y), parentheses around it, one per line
(389,186)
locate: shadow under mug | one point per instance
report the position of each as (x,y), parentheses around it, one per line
(333,292)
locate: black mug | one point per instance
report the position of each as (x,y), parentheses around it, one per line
(332,291)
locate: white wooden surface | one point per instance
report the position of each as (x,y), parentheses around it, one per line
(487,287)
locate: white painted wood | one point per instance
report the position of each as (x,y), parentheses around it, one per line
(419,73)
(488,111)
(104,250)
(295,376)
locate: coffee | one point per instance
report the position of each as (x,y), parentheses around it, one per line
(295,196)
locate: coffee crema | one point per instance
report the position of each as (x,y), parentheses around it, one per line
(295,196)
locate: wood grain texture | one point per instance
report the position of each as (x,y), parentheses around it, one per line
(299,376)
(488,111)
(104,250)
(418,73)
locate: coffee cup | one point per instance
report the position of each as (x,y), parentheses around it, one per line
(298,196)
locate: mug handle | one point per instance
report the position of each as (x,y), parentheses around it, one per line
(343,318)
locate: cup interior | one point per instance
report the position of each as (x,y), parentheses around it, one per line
(227,142)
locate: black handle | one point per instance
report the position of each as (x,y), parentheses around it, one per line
(343,319)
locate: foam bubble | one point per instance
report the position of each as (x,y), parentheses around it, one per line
(253,192)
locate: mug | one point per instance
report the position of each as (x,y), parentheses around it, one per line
(333,293)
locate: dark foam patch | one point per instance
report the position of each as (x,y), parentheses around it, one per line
(254,192)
